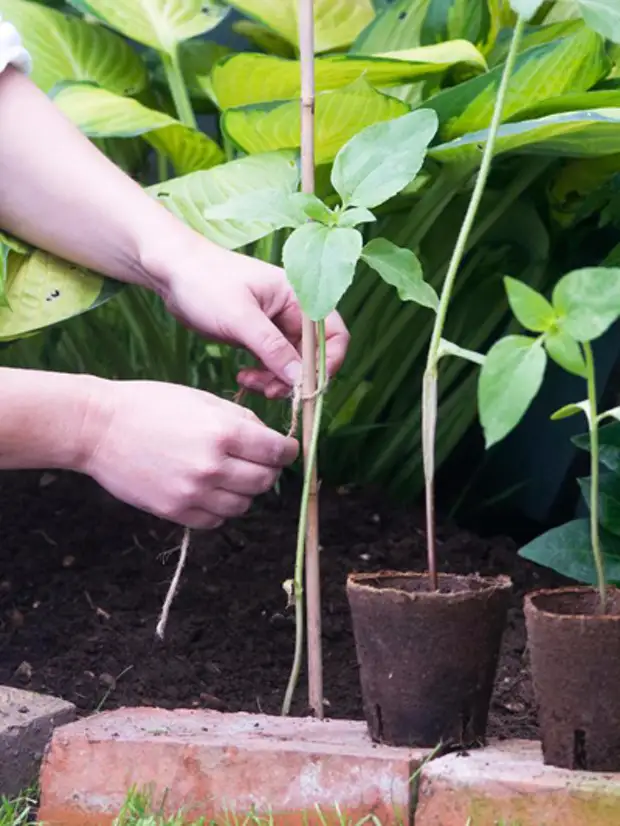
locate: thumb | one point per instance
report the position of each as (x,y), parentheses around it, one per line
(272,348)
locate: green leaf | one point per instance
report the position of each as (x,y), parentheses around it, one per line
(245,78)
(566,352)
(266,40)
(587,301)
(380,161)
(448,348)
(197,59)
(43,290)
(569,410)
(190,196)
(340,115)
(530,308)
(609,445)
(567,550)
(608,500)
(571,64)
(608,98)
(401,269)
(509,381)
(355,216)
(102,114)
(314,208)
(526,8)
(320,263)
(274,207)
(65,48)
(571,134)
(603,16)
(160,24)
(337,22)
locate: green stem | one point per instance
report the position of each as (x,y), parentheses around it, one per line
(162,167)
(298,584)
(429,387)
(594,478)
(178,89)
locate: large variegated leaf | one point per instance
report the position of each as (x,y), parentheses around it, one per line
(266,39)
(161,24)
(603,16)
(570,134)
(534,36)
(188,197)
(101,114)
(253,78)
(67,48)
(197,59)
(575,102)
(572,64)
(43,290)
(340,114)
(337,22)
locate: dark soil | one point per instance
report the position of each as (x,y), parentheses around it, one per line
(82,579)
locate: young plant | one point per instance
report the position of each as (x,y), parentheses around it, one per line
(320,257)
(584,304)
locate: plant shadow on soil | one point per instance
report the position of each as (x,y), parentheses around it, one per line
(82,579)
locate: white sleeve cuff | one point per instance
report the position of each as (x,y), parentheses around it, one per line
(12,52)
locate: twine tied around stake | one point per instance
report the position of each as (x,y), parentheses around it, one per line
(296,401)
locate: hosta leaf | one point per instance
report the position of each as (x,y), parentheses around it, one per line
(197,59)
(381,160)
(531,309)
(509,381)
(67,48)
(609,445)
(43,290)
(568,551)
(102,114)
(572,64)
(320,264)
(603,16)
(587,301)
(575,181)
(340,115)
(533,36)
(572,102)
(572,135)
(608,500)
(244,78)
(397,26)
(401,269)
(266,39)
(453,19)
(188,197)
(337,22)
(565,351)
(161,24)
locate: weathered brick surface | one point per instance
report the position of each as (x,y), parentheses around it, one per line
(211,764)
(26,724)
(508,784)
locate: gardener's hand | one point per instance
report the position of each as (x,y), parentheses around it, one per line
(181,454)
(241,301)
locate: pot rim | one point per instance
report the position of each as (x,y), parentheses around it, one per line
(575,590)
(356,581)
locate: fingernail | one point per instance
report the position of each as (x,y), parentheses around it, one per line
(292,372)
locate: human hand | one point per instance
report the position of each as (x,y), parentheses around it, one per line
(181,454)
(238,300)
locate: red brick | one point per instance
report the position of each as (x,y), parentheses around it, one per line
(508,784)
(210,764)
(26,724)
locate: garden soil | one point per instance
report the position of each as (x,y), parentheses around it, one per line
(82,579)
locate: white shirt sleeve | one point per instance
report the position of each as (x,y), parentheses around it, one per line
(12,51)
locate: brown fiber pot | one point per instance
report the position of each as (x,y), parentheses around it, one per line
(575,660)
(427,658)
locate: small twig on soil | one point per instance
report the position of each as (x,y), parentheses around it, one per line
(99,611)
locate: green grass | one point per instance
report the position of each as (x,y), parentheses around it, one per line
(17,812)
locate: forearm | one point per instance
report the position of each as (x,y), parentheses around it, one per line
(58,192)
(47,420)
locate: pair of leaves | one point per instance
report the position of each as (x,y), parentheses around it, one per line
(102,114)
(585,303)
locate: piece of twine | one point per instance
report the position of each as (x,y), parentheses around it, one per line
(296,401)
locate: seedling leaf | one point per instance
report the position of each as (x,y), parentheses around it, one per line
(530,308)
(355,216)
(401,269)
(509,381)
(274,207)
(380,161)
(571,410)
(320,264)
(566,352)
(587,301)
(526,8)
(603,16)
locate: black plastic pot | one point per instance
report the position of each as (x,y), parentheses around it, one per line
(427,658)
(575,660)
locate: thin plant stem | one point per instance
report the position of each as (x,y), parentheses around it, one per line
(429,387)
(309,478)
(162,167)
(178,89)
(594,478)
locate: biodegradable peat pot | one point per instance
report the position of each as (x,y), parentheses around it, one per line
(575,660)
(427,658)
